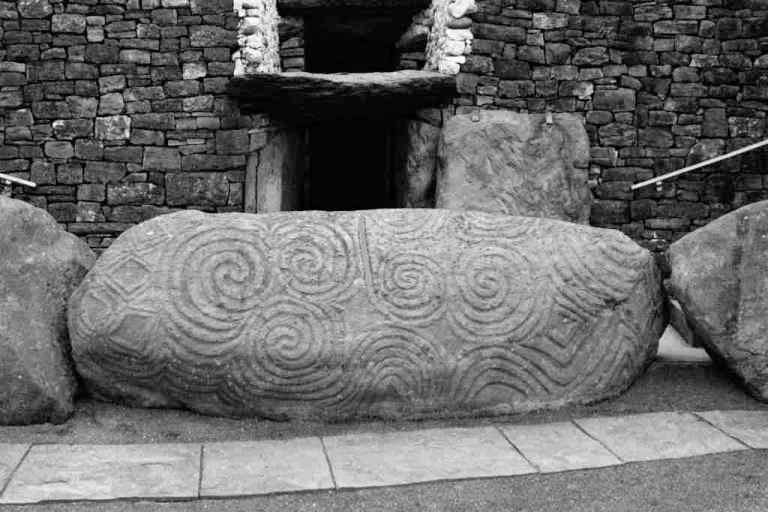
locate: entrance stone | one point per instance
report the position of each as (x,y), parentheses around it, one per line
(719,278)
(506,162)
(40,266)
(387,313)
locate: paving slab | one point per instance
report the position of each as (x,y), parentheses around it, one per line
(103,472)
(664,435)
(370,460)
(558,447)
(749,427)
(264,467)
(10,456)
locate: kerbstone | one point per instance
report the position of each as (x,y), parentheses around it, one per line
(664,435)
(390,313)
(517,164)
(105,472)
(718,277)
(373,460)
(263,467)
(40,265)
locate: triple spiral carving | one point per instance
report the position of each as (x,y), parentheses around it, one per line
(216,276)
(354,314)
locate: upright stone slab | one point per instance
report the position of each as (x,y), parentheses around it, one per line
(719,278)
(40,266)
(417,163)
(390,313)
(506,162)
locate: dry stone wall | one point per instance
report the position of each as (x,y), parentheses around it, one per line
(118,109)
(258,37)
(661,84)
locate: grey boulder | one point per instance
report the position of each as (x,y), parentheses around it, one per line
(40,266)
(719,275)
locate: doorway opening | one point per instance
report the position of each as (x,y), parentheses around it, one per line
(350,159)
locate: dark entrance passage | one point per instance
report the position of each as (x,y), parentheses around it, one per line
(349,165)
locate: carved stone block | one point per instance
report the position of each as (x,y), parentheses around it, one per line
(505,162)
(388,313)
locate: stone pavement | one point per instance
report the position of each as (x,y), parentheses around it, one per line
(188,471)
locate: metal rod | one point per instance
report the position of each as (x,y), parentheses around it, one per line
(18,181)
(699,165)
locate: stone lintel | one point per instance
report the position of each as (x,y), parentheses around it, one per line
(300,96)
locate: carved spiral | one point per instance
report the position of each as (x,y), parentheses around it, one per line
(411,287)
(216,276)
(499,295)
(288,349)
(315,259)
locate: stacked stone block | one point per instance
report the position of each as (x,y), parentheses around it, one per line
(291,30)
(257,37)
(450,37)
(661,84)
(118,110)
(413,43)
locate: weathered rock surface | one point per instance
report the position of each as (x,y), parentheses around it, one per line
(513,163)
(40,266)
(308,97)
(390,313)
(417,163)
(719,278)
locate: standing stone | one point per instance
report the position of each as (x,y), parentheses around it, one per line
(40,266)
(390,313)
(719,278)
(515,163)
(417,164)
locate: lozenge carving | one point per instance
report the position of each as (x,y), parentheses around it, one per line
(387,313)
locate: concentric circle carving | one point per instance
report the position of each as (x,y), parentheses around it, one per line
(411,287)
(498,295)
